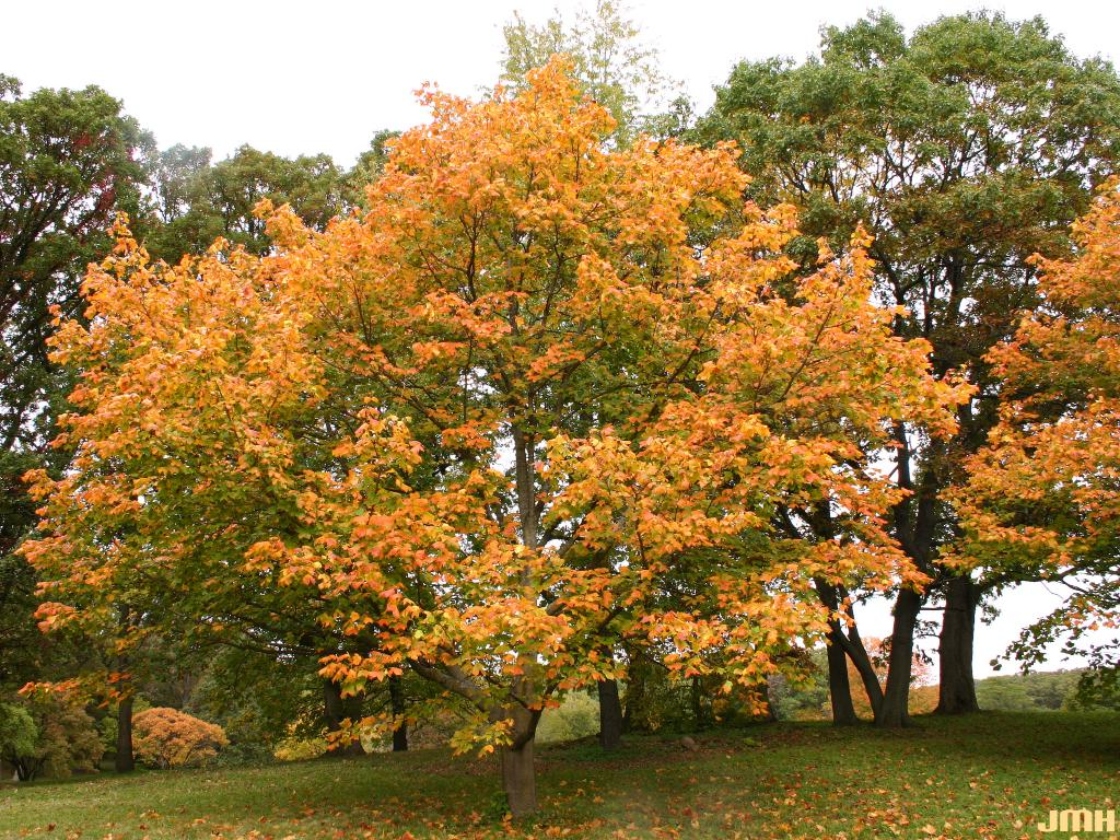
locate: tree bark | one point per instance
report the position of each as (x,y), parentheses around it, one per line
(839,686)
(915,521)
(895,711)
(957,688)
(610,715)
(125,761)
(334,713)
(398,705)
(851,646)
(519,777)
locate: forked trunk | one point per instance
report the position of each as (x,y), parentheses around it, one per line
(610,715)
(844,646)
(957,688)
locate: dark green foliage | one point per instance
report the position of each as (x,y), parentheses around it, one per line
(18,734)
(370,165)
(21,643)
(655,701)
(1099,687)
(801,700)
(963,149)
(197,201)
(1048,691)
(69,161)
(50,735)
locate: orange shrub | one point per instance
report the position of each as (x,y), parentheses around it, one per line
(168,738)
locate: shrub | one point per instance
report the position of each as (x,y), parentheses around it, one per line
(48,734)
(576,717)
(18,735)
(167,738)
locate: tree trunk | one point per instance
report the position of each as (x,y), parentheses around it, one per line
(895,712)
(957,689)
(851,645)
(839,686)
(610,715)
(398,705)
(125,761)
(519,777)
(334,713)
(696,697)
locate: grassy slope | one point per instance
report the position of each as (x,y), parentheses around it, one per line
(991,776)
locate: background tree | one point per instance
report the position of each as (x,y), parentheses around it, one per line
(368,168)
(811,698)
(1042,496)
(963,150)
(18,735)
(610,64)
(197,201)
(69,160)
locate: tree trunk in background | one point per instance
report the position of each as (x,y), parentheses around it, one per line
(957,689)
(916,521)
(895,712)
(125,761)
(610,715)
(398,705)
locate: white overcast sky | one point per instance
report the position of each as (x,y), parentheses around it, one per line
(308,77)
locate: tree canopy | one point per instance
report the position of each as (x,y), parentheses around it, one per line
(963,150)
(69,160)
(1041,498)
(610,63)
(484,420)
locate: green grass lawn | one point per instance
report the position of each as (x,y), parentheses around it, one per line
(996,775)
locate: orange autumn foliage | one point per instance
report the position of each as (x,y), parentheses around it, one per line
(540,400)
(167,738)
